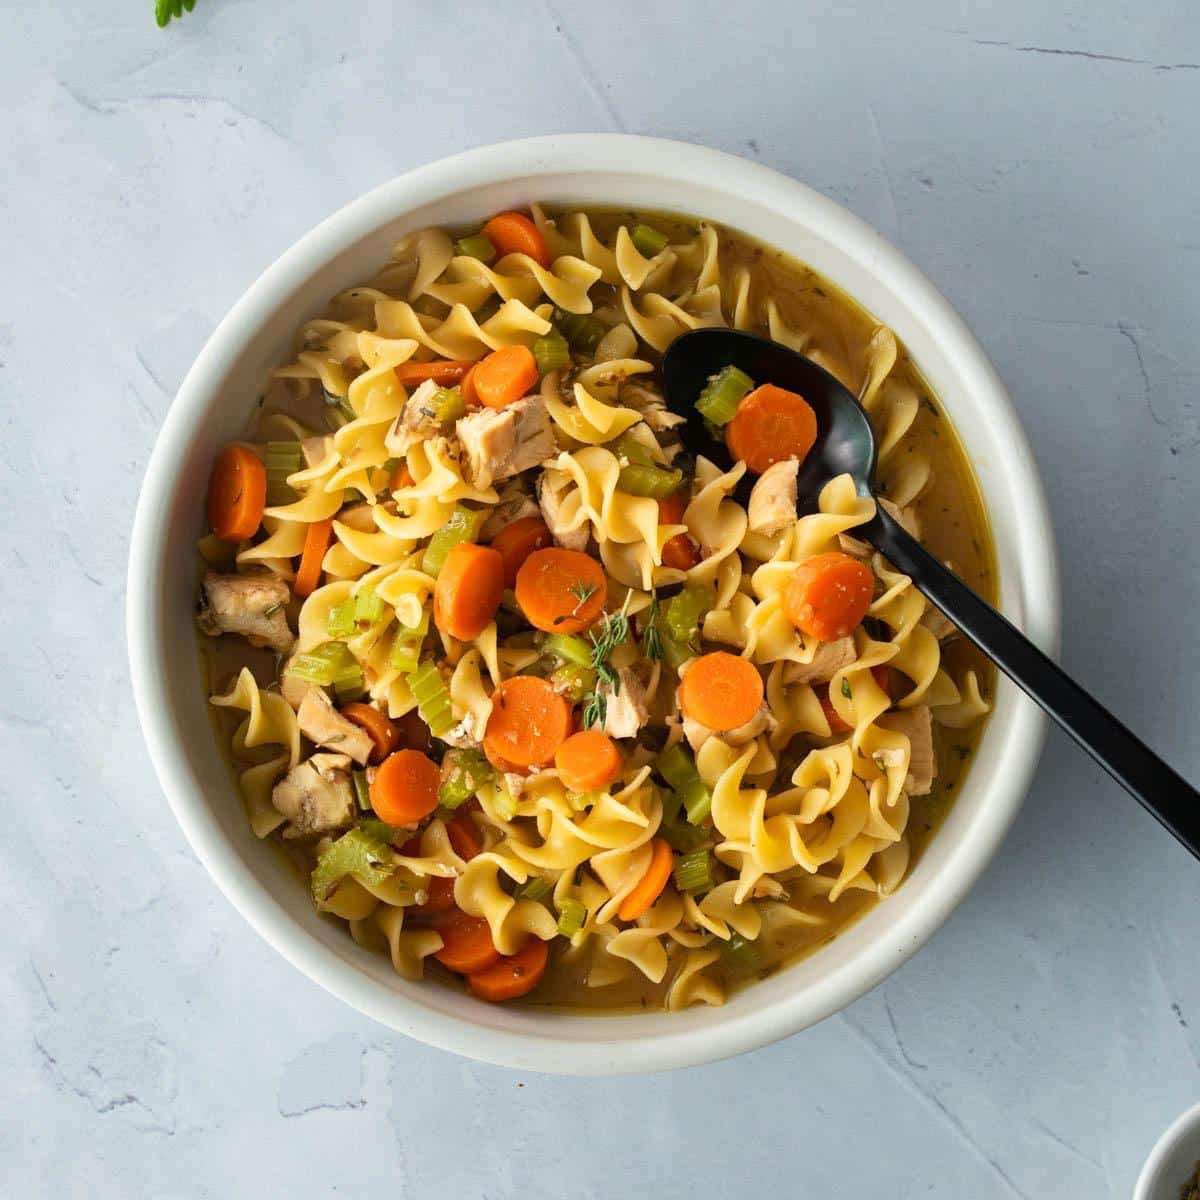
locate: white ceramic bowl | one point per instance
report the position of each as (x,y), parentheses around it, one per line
(212,406)
(1172,1160)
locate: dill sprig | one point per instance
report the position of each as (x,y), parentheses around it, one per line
(652,646)
(614,629)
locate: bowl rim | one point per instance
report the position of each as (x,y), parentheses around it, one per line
(1169,1140)
(675,163)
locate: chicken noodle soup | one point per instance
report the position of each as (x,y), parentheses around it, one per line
(535,702)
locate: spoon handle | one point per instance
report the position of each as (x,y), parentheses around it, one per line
(1128,760)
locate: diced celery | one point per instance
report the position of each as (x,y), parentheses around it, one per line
(719,400)
(282,459)
(693,872)
(447,405)
(676,653)
(682,613)
(569,648)
(464,772)
(657,482)
(406,646)
(678,768)
(383,831)
(648,240)
(362,790)
(340,622)
(571,917)
(583,331)
(505,803)
(330,665)
(476,246)
(368,607)
(534,888)
(740,953)
(697,801)
(359,853)
(551,352)
(682,837)
(433,700)
(573,681)
(462,526)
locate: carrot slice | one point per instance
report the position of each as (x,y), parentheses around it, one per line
(516,542)
(680,551)
(561,591)
(384,735)
(528,723)
(468,591)
(828,595)
(466,388)
(771,424)
(514,975)
(588,760)
(504,376)
(650,886)
(237,494)
(316,542)
(466,942)
(405,787)
(515,233)
(721,691)
(440,370)
(464,836)
(401,478)
(836,724)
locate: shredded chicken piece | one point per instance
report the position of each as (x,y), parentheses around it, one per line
(500,443)
(572,539)
(415,423)
(360,517)
(626,710)
(292,687)
(650,404)
(855,547)
(315,450)
(321,723)
(938,623)
(251,606)
(829,659)
(515,504)
(316,797)
(772,504)
(917,725)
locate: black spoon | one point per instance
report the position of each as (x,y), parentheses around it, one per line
(846,445)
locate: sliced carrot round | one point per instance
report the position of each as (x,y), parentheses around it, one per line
(468,591)
(384,735)
(528,723)
(771,425)
(504,376)
(588,760)
(828,595)
(405,787)
(237,494)
(515,233)
(464,836)
(466,942)
(316,542)
(514,975)
(441,370)
(466,388)
(721,691)
(648,889)
(836,724)
(680,551)
(401,478)
(516,542)
(561,591)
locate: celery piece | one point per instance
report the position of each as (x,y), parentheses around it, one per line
(433,700)
(657,482)
(678,768)
(693,872)
(719,400)
(368,607)
(340,621)
(573,681)
(405,654)
(682,837)
(649,241)
(281,459)
(505,803)
(627,446)
(697,801)
(464,772)
(534,888)
(740,953)
(551,352)
(476,246)
(383,831)
(447,405)
(362,790)
(582,330)
(569,648)
(682,613)
(462,526)
(330,665)
(571,918)
(676,653)
(359,853)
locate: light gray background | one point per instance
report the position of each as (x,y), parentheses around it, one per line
(1041,168)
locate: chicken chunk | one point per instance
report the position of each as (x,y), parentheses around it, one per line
(917,725)
(938,623)
(551,506)
(292,687)
(251,606)
(515,504)
(626,710)
(772,504)
(855,547)
(829,659)
(321,723)
(501,443)
(651,405)
(316,450)
(316,797)
(416,422)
